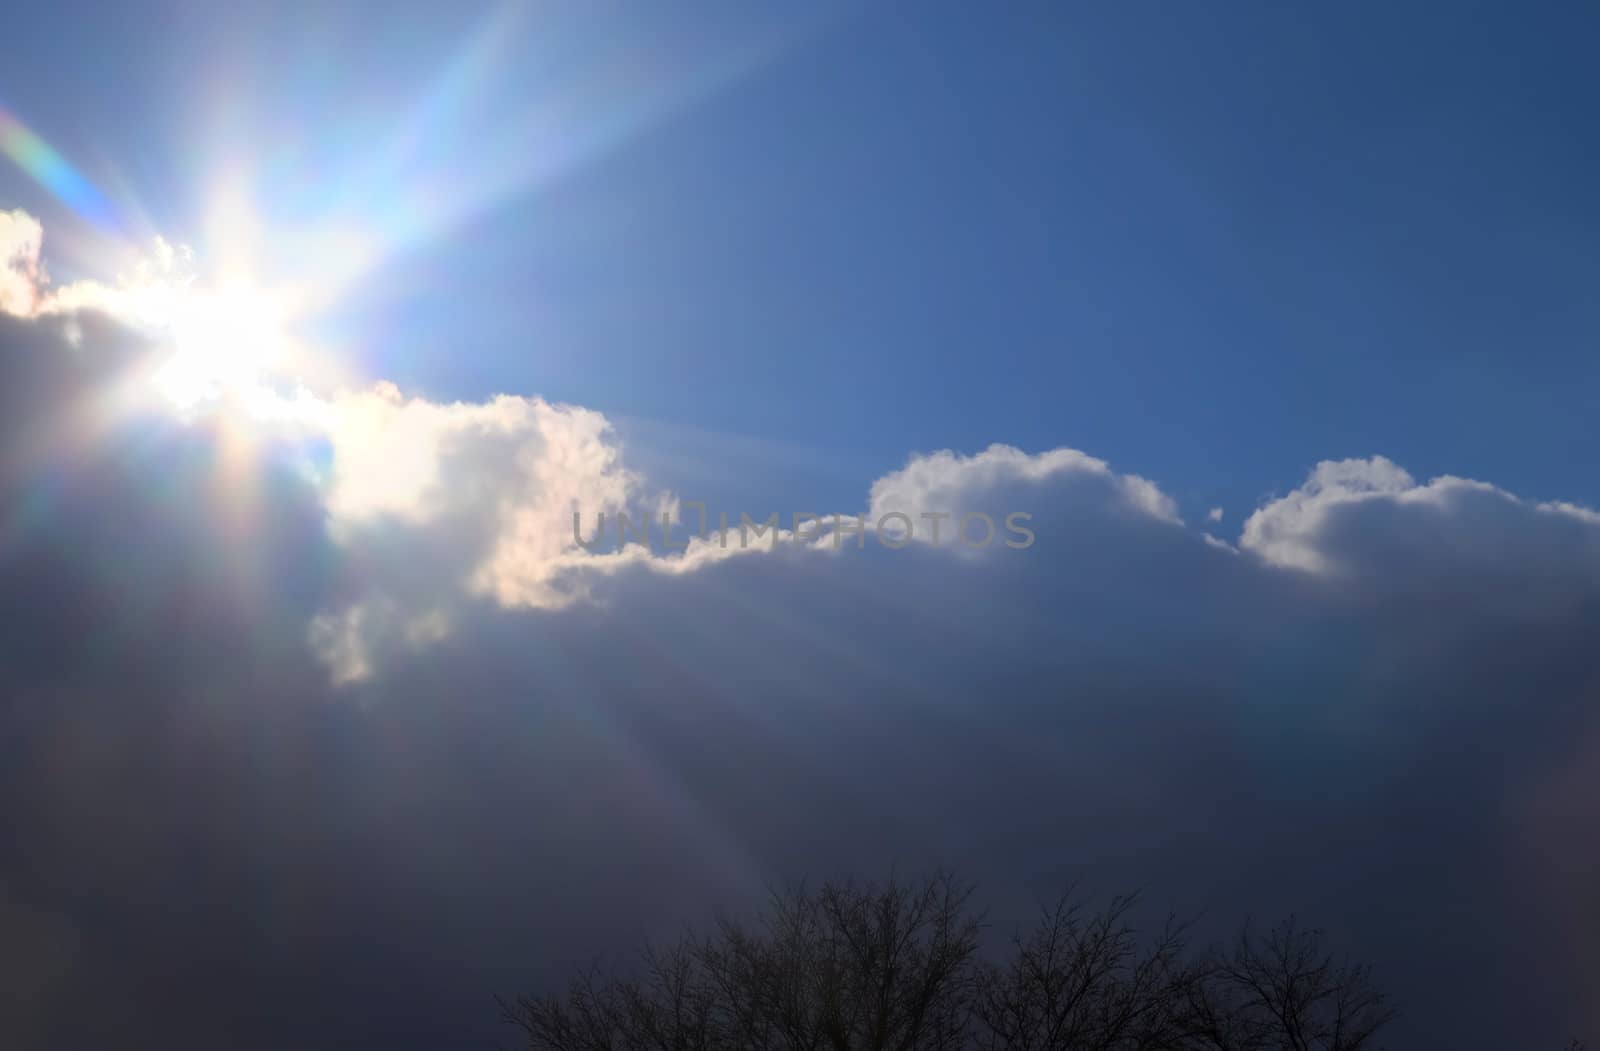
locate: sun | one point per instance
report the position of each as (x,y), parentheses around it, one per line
(224,342)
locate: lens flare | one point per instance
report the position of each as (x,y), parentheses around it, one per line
(52,171)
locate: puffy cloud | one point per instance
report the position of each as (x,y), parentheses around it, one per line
(21,276)
(440,503)
(146,295)
(506,497)
(946,482)
(1284,531)
(1367,527)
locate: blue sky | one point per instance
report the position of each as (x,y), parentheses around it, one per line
(1214,246)
(295,638)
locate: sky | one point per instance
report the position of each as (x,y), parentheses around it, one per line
(320,725)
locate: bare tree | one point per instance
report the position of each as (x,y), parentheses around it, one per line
(1081,980)
(850,967)
(896,967)
(1284,991)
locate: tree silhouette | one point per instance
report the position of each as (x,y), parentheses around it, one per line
(1284,991)
(1080,979)
(899,967)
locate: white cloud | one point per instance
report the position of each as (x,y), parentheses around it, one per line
(21,274)
(145,296)
(1284,532)
(488,491)
(444,502)
(946,481)
(1367,527)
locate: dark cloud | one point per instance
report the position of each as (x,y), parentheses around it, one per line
(1378,713)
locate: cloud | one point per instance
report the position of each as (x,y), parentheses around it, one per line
(947,482)
(438,503)
(143,296)
(491,492)
(36,955)
(258,704)
(21,238)
(1367,527)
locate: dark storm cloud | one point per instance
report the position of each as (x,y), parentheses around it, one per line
(1377,712)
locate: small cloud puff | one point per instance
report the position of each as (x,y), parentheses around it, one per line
(21,274)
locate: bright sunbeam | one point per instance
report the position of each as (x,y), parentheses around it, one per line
(224,342)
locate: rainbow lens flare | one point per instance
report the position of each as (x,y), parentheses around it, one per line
(52,171)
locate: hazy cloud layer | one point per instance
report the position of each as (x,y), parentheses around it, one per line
(386,709)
